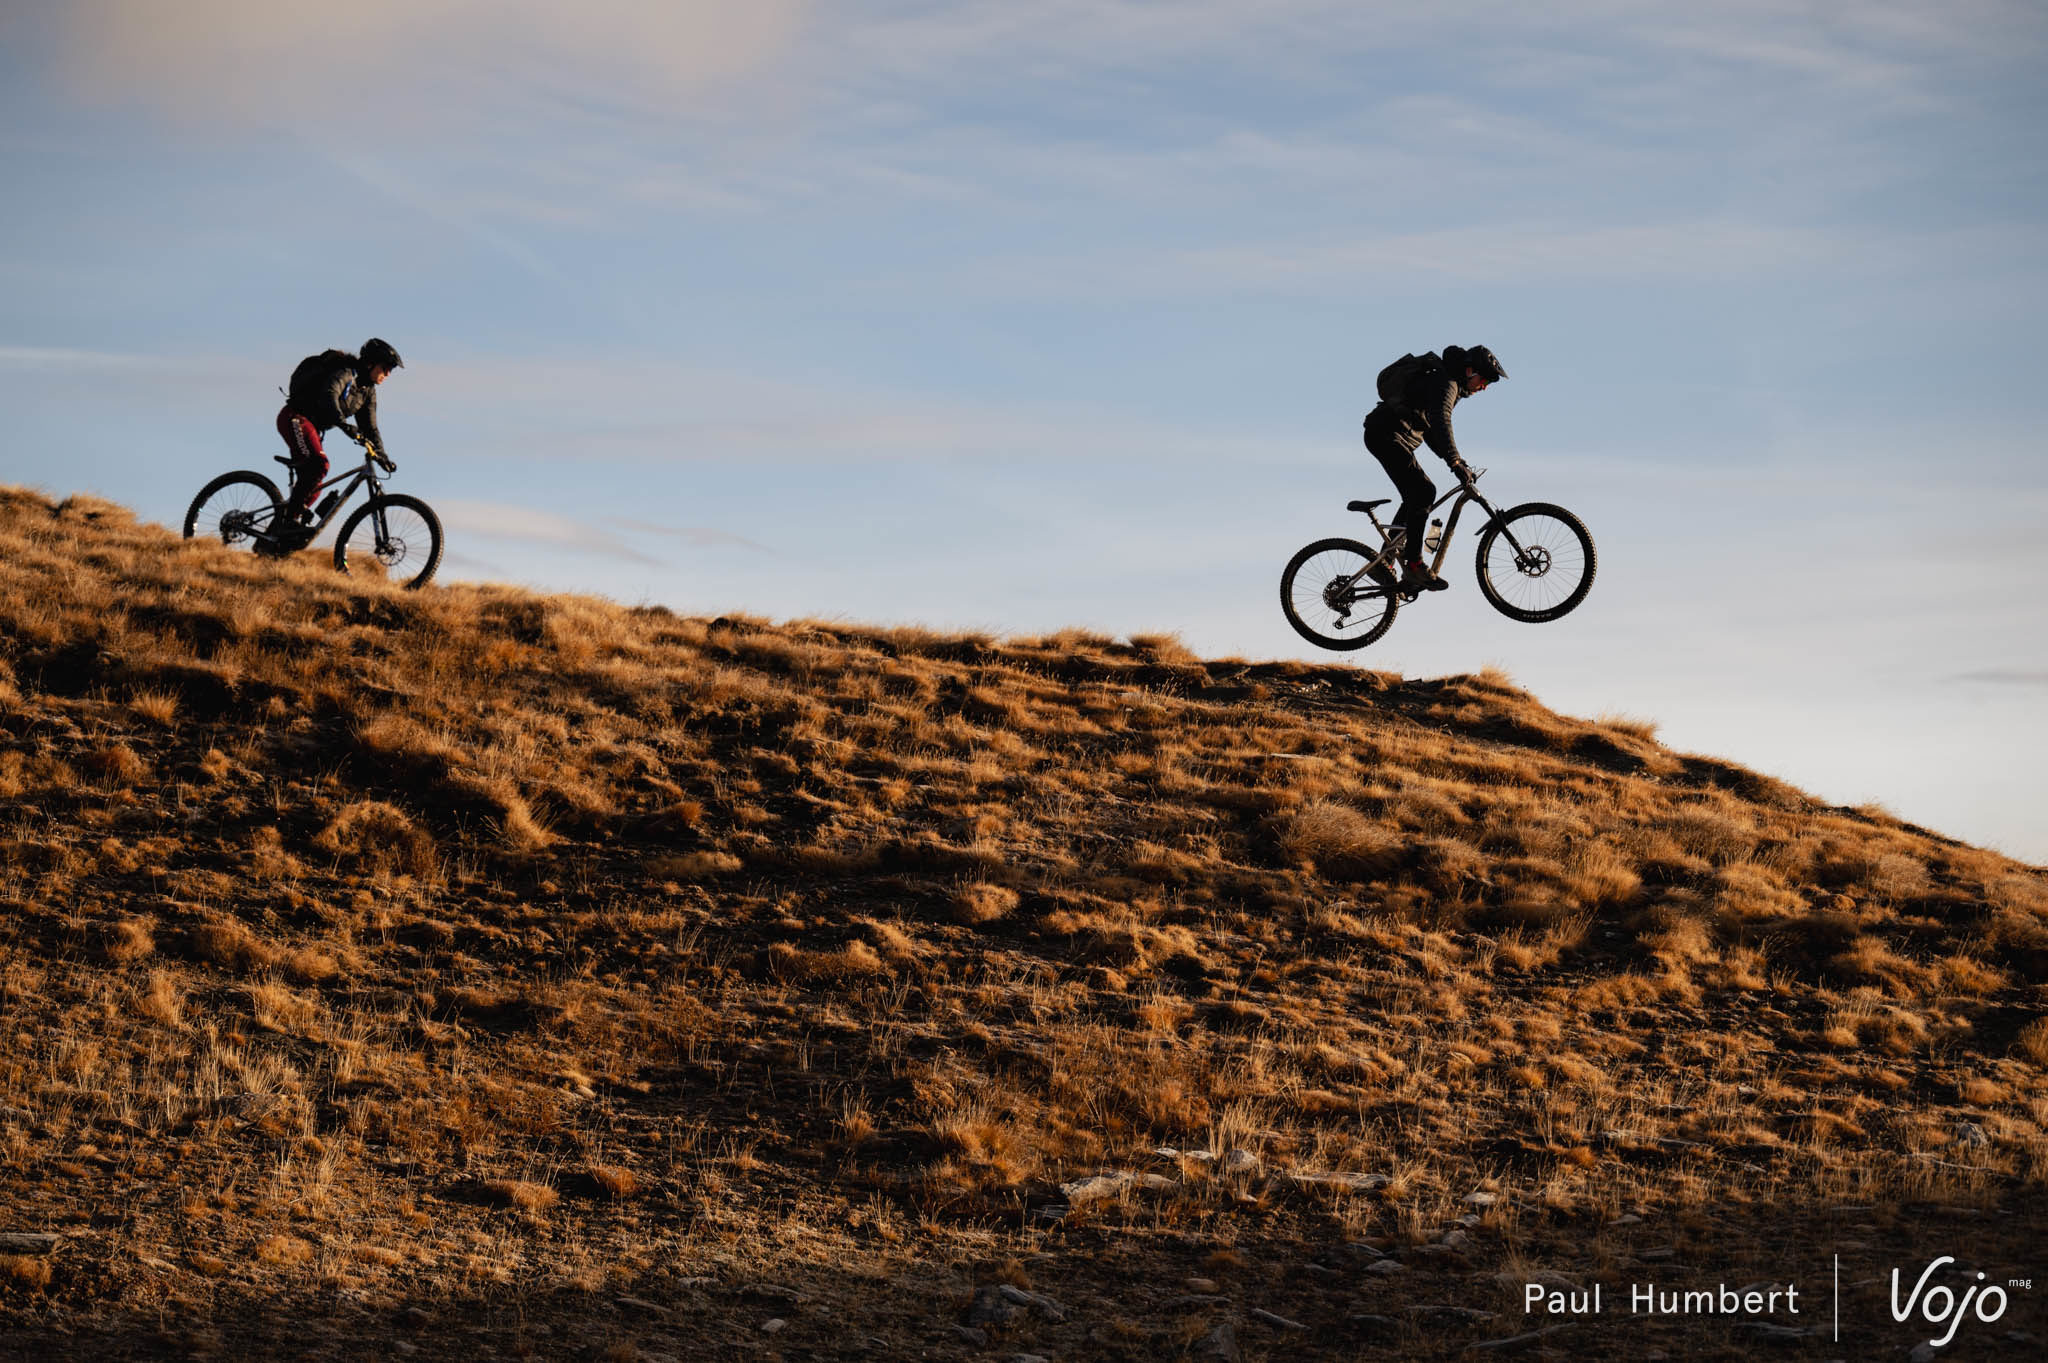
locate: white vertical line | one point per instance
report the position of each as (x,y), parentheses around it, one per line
(1838,1299)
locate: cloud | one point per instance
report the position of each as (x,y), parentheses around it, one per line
(696,536)
(2006,676)
(504,520)
(374,65)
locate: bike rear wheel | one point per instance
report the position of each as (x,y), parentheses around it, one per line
(396,536)
(236,509)
(1331,602)
(1536,562)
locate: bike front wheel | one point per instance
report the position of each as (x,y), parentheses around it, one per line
(235,509)
(396,536)
(1536,562)
(1330,599)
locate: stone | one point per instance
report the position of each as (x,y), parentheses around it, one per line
(1278,1322)
(28,1242)
(1238,1162)
(1201,1285)
(968,1334)
(1001,1303)
(775,1326)
(1481,1198)
(1971,1134)
(1218,1346)
(1388,1266)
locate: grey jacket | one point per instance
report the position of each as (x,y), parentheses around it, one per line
(329,390)
(1422,414)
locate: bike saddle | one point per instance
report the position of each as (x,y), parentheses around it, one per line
(1348,506)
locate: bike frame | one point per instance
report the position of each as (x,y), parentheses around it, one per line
(1463,495)
(355,478)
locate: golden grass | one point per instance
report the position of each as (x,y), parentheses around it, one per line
(599,924)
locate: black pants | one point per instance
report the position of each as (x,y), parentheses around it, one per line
(1418,494)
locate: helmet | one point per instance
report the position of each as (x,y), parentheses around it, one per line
(380,355)
(1479,359)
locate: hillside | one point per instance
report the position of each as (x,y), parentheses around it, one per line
(475,973)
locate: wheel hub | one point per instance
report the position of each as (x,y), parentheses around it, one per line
(391,552)
(1533,561)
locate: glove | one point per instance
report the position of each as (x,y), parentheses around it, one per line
(352,433)
(1462,469)
(386,461)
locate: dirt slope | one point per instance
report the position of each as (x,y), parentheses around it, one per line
(474,973)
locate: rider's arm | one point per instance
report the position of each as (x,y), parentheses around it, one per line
(1437,423)
(366,419)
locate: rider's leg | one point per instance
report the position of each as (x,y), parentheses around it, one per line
(309,460)
(1418,494)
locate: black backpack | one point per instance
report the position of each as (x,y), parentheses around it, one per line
(1395,378)
(307,392)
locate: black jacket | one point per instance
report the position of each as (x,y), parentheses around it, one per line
(330,389)
(1423,413)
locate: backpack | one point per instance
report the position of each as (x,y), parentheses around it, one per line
(1395,378)
(307,391)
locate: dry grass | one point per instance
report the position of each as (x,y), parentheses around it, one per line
(365,939)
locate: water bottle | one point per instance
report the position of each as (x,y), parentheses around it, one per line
(1435,538)
(327,503)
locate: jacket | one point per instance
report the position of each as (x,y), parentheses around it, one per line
(1422,414)
(328,390)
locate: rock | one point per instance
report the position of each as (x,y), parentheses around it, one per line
(1364,1183)
(1096,1187)
(1029,1358)
(1971,1134)
(1388,1266)
(1238,1162)
(776,1326)
(1923,1352)
(1456,1239)
(1365,1251)
(1278,1322)
(28,1241)
(640,1304)
(1366,1321)
(1481,1198)
(1445,1311)
(1001,1303)
(1201,1284)
(969,1335)
(1218,1346)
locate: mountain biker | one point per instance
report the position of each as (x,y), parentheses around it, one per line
(1420,410)
(326,391)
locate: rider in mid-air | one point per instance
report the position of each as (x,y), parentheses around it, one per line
(1418,409)
(326,391)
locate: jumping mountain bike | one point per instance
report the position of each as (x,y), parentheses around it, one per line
(1535,564)
(391,533)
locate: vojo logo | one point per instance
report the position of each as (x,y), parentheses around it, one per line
(1938,1305)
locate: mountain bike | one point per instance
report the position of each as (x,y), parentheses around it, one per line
(1535,564)
(399,535)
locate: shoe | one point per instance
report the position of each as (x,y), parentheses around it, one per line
(1420,579)
(1384,575)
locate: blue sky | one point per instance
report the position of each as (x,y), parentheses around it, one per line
(1015,316)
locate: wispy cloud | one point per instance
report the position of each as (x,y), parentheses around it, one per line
(2006,676)
(696,536)
(272,61)
(508,521)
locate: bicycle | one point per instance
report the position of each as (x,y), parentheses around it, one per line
(1535,564)
(398,532)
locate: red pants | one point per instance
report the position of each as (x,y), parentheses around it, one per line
(309,461)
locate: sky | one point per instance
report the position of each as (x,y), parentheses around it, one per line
(1013,317)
